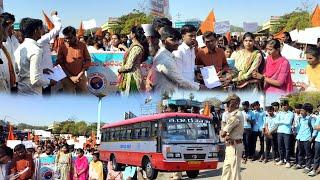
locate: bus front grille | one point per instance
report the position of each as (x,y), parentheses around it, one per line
(194,156)
(194,149)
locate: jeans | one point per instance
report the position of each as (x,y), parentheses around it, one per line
(316,160)
(304,151)
(270,143)
(255,135)
(247,142)
(284,146)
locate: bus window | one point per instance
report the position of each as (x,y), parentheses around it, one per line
(128,134)
(136,134)
(123,134)
(154,129)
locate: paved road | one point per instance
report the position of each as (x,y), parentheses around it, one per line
(253,171)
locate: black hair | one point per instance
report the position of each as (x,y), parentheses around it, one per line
(245,103)
(275,104)
(289,40)
(208,34)
(96,154)
(188,28)
(313,51)
(298,106)
(80,151)
(248,34)
(123,36)
(256,103)
(19,147)
(308,107)
(275,43)
(170,32)
(285,103)
(161,22)
(28,26)
(6,17)
(9,152)
(118,35)
(90,41)
(142,39)
(270,108)
(69,30)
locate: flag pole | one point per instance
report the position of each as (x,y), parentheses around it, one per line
(99,120)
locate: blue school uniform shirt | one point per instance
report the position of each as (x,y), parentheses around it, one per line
(271,122)
(316,133)
(285,122)
(248,116)
(304,128)
(258,117)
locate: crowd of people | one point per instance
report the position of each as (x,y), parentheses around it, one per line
(176,58)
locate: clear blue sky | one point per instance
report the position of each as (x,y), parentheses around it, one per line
(44,111)
(73,11)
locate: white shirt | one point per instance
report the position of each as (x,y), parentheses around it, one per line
(30,72)
(44,42)
(92,49)
(186,61)
(4,74)
(11,44)
(168,78)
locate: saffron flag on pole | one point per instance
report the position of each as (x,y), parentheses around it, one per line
(10,133)
(208,23)
(49,23)
(81,30)
(315,17)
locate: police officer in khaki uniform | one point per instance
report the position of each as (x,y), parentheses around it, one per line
(232,133)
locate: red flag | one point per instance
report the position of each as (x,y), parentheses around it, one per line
(11,134)
(48,21)
(228,36)
(93,137)
(315,17)
(208,23)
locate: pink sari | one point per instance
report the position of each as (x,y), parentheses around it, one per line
(81,164)
(279,70)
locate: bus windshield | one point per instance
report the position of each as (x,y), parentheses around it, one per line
(187,129)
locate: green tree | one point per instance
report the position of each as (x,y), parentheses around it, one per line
(298,20)
(304,97)
(80,128)
(131,19)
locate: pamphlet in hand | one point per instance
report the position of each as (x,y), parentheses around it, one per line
(210,77)
(57,75)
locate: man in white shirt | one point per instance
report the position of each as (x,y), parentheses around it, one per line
(167,77)
(44,42)
(12,42)
(186,52)
(29,59)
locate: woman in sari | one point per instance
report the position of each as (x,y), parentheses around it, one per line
(130,75)
(81,168)
(247,61)
(276,76)
(64,162)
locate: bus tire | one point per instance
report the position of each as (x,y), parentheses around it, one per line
(192,174)
(150,172)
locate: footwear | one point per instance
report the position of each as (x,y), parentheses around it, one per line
(306,170)
(266,161)
(288,165)
(280,163)
(261,159)
(312,173)
(297,167)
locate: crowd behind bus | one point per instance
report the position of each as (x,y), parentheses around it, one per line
(176,58)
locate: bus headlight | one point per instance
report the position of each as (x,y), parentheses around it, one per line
(212,155)
(173,155)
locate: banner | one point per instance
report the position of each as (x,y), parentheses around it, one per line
(46,168)
(103,73)
(222,27)
(250,27)
(90,24)
(159,8)
(298,71)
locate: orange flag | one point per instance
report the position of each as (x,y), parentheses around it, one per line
(99,32)
(279,35)
(10,134)
(206,111)
(81,30)
(208,23)
(315,17)
(93,137)
(48,21)
(228,36)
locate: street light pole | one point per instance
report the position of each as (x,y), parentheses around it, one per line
(99,120)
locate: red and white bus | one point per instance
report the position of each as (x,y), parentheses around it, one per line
(161,142)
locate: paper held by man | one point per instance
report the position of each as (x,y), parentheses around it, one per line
(57,75)
(210,77)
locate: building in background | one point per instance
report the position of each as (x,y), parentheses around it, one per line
(195,22)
